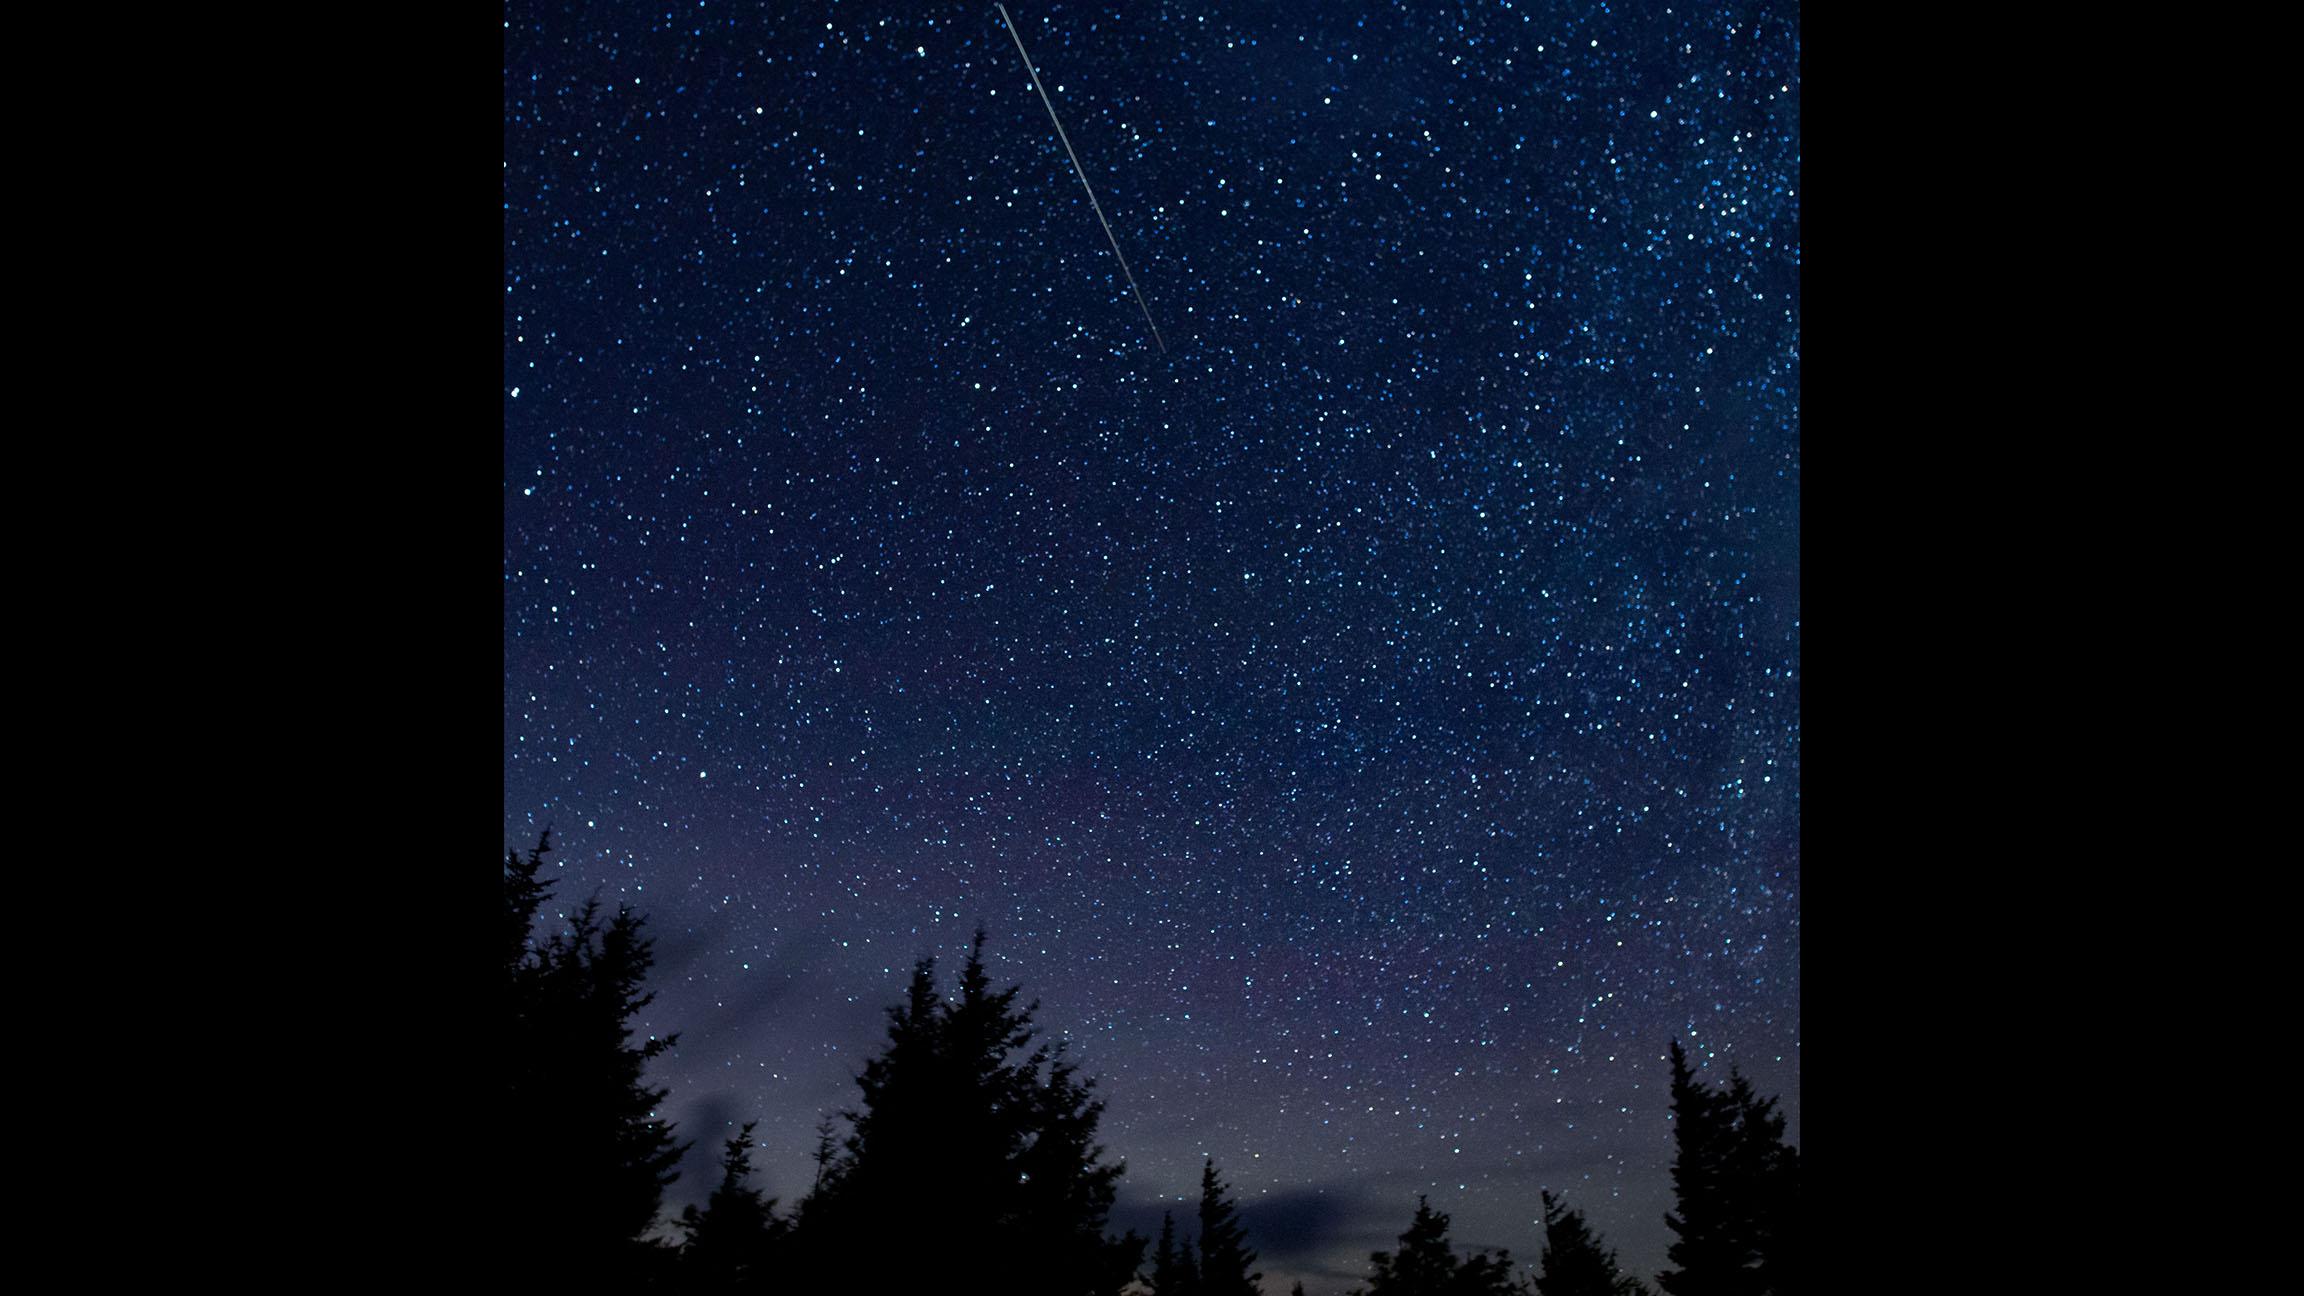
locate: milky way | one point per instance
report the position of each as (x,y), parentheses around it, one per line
(1371,728)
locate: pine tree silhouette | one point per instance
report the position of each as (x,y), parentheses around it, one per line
(1167,1277)
(1065,1190)
(1425,1266)
(586,1158)
(1224,1253)
(979,1148)
(1575,1263)
(1768,1172)
(826,1148)
(512,1206)
(1483,1274)
(523,896)
(732,1240)
(1783,1257)
(1735,1185)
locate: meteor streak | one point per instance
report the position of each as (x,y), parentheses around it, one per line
(1078,171)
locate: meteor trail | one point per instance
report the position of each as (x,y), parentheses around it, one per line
(1076,170)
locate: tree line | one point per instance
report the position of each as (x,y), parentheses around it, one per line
(970,1161)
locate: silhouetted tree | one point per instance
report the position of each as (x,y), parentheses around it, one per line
(1712,1251)
(1783,1253)
(826,1148)
(978,1148)
(1065,1190)
(731,1241)
(585,1157)
(1224,1253)
(1735,1185)
(1484,1274)
(1167,1278)
(523,895)
(1574,1262)
(1768,1171)
(1422,1265)
(1425,1266)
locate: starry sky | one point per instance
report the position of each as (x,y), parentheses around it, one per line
(1370,727)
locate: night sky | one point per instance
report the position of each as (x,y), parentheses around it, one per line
(1371,728)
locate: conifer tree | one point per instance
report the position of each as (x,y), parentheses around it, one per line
(902,1141)
(1782,1255)
(1575,1263)
(1423,1264)
(1483,1274)
(1224,1253)
(585,1157)
(826,1147)
(1767,1171)
(514,1207)
(979,1147)
(1426,1266)
(1065,1189)
(731,1241)
(1735,1186)
(1166,1278)
(523,895)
